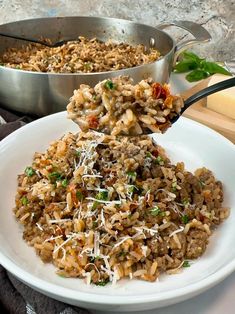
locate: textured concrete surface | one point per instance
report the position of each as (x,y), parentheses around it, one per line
(217,16)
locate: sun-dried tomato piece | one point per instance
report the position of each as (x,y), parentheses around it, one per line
(157,90)
(160,91)
(93,122)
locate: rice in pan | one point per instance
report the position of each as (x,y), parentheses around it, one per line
(84,55)
(117,107)
(103,208)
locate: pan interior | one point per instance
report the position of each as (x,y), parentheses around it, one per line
(65,28)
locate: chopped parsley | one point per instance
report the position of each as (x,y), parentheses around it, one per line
(174,186)
(55,176)
(109,85)
(102,282)
(64,183)
(24,200)
(132,188)
(78,152)
(159,161)
(87,66)
(29,171)
(185,219)
(94,258)
(95,204)
(186,264)
(132,175)
(149,155)
(155,211)
(79,196)
(94,224)
(185,202)
(102,196)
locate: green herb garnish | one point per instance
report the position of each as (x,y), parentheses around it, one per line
(87,66)
(94,206)
(185,219)
(132,175)
(199,68)
(24,200)
(174,186)
(109,85)
(185,202)
(55,176)
(159,161)
(29,171)
(186,264)
(102,282)
(79,196)
(155,211)
(94,224)
(102,195)
(64,183)
(78,152)
(132,188)
(149,155)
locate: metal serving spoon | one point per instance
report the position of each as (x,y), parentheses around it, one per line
(37,41)
(190,101)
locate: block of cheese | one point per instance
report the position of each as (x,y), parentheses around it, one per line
(223,101)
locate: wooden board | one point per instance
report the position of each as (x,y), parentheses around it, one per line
(199,112)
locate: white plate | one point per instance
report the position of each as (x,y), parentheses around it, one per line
(186,141)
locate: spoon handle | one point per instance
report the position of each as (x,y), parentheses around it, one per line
(32,40)
(208,91)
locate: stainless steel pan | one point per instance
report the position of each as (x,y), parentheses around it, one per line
(45,93)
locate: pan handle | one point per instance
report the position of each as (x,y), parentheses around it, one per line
(200,33)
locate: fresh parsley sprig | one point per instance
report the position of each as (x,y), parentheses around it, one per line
(198,68)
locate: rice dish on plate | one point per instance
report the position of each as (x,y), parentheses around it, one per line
(103,208)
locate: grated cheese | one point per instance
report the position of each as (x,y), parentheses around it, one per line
(96,243)
(52,238)
(181,228)
(87,275)
(102,217)
(92,176)
(39,226)
(144,249)
(102,201)
(151,231)
(53,221)
(120,242)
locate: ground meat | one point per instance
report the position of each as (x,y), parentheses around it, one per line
(196,243)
